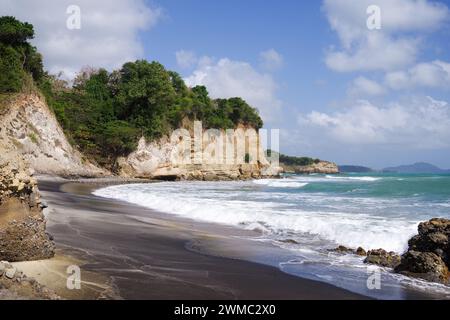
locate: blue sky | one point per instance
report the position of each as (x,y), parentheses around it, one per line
(334,88)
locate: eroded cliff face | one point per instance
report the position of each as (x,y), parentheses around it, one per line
(323,167)
(181,158)
(22,224)
(30,130)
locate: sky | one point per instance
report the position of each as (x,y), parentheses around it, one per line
(337,89)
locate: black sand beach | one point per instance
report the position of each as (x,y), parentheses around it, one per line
(148,255)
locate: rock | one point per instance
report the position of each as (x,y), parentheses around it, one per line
(323,167)
(343,250)
(428,254)
(361,252)
(425,265)
(382,258)
(10,272)
(289,241)
(433,237)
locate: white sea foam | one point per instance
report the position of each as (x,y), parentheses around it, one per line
(226,203)
(367,179)
(283,183)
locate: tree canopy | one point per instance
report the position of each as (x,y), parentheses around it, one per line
(17,56)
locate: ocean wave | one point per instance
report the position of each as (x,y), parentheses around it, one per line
(204,203)
(368,179)
(284,183)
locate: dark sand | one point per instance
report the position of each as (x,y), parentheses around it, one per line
(148,255)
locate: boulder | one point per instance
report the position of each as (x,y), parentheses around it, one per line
(425,265)
(433,237)
(10,273)
(428,254)
(361,252)
(383,258)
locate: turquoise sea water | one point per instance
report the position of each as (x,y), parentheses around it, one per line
(308,215)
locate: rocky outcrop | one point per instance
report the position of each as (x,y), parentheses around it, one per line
(14,285)
(322,167)
(382,258)
(344,250)
(428,254)
(168,159)
(30,130)
(22,224)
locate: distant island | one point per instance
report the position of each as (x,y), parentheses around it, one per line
(354,169)
(419,167)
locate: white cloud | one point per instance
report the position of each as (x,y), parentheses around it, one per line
(227,78)
(271,60)
(186,59)
(434,74)
(364,86)
(108,36)
(420,124)
(385,49)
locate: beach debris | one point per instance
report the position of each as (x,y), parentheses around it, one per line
(428,254)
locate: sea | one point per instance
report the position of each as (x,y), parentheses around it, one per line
(308,215)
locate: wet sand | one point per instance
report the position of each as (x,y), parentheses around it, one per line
(129,252)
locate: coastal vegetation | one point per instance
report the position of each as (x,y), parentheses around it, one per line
(297,161)
(105,113)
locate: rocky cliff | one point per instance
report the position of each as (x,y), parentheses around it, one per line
(22,224)
(323,167)
(172,159)
(30,130)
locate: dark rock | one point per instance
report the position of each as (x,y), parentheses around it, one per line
(425,265)
(343,249)
(289,241)
(428,255)
(361,252)
(383,258)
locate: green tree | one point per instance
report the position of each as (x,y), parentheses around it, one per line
(145,97)
(17,55)
(13,32)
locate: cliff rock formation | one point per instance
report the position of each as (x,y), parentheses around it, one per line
(22,223)
(30,130)
(323,167)
(173,159)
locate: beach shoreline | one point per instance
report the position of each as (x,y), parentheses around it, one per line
(132,252)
